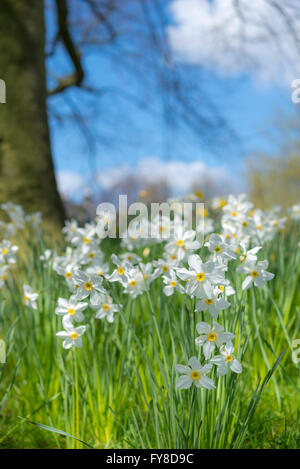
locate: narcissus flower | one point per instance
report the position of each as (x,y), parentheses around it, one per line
(172,284)
(88,285)
(3,275)
(71,308)
(201,276)
(226,360)
(7,252)
(219,248)
(30,297)
(210,337)
(183,243)
(194,373)
(105,308)
(257,274)
(212,302)
(72,335)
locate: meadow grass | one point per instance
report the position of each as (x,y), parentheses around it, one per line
(118,390)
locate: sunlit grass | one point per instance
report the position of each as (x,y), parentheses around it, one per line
(118,391)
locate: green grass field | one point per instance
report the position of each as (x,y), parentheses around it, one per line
(119,389)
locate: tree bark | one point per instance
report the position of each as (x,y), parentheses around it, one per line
(26,166)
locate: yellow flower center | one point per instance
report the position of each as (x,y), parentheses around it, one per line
(133,283)
(227,236)
(202,212)
(71,311)
(212,337)
(199,194)
(142,194)
(88,286)
(69,274)
(91,255)
(223,203)
(99,272)
(237,250)
(200,277)
(173,284)
(165,268)
(120,270)
(161,229)
(254,273)
(229,358)
(233,214)
(209,301)
(222,288)
(73,335)
(195,375)
(4,251)
(86,240)
(3,277)
(146,277)
(129,258)
(105,307)
(180,243)
(245,224)
(259,227)
(218,249)
(26,298)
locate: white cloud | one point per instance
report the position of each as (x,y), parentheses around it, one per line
(71,184)
(257,38)
(179,176)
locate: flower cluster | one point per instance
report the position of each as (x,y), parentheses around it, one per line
(185,266)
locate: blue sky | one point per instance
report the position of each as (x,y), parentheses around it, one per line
(125,134)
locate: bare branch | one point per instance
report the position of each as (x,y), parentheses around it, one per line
(76,78)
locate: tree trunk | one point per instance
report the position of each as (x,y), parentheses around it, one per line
(26,167)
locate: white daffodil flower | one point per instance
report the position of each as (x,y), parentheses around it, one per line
(71,308)
(72,335)
(201,276)
(135,282)
(183,243)
(210,337)
(249,256)
(120,273)
(105,308)
(194,373)
(228,290)
(219,248)
(3,275)
(30,297)
(130,257)
(172,284)
(226,360)
(294,212)
(88,285)
(162,267)
(69,230)
(237,206)
(257,274)
(7,252)
(213,304)
(98,269)
(147,271)
(84,236)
